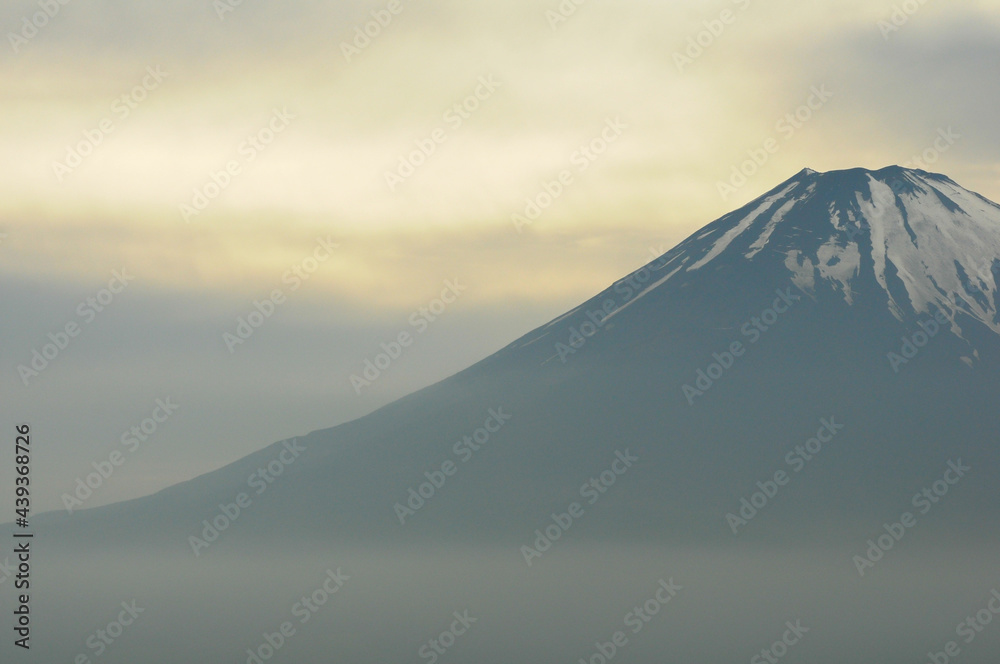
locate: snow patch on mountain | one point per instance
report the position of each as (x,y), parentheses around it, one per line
(761,241)
(745,223)
(934,247)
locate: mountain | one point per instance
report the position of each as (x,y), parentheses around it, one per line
(792,376)
(819,280)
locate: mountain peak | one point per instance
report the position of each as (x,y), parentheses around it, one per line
(921,241)
(893,171)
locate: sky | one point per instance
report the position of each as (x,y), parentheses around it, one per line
(461,174)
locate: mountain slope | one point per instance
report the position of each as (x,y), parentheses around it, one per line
(820,282)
